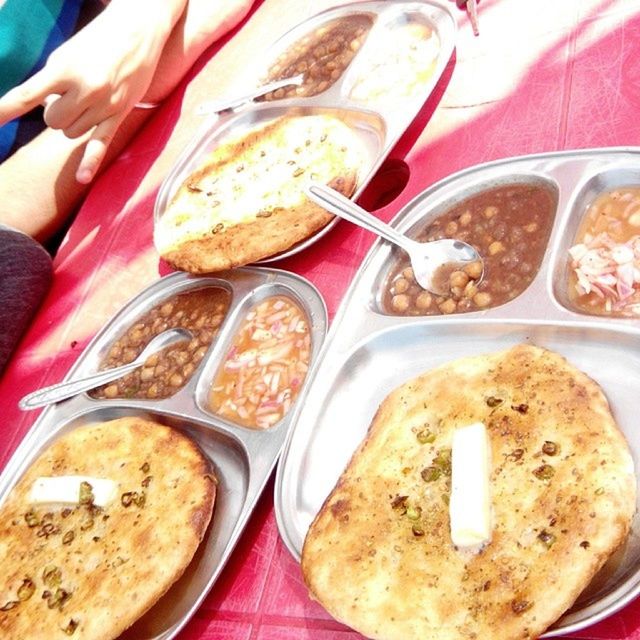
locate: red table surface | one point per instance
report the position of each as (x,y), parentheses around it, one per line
(543,75)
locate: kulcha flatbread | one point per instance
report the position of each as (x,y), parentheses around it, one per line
(379,555)
(246,202)
(87,572)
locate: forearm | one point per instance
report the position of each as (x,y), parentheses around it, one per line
(157,17)
(201,24)
(38,187)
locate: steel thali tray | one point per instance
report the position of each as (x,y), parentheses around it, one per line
(369,352)
(378,122)
(242,458)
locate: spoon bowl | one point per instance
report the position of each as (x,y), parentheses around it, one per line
(432,262)
(64,390)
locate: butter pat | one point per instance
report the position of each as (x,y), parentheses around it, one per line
(470,502)
(66,490)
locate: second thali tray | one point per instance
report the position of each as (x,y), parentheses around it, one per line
(181,392)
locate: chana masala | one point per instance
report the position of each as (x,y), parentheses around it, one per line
(322,56)
(264,370)
(605,259)
(509,226)
(201,311)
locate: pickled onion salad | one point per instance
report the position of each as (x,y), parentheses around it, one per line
(608,269)
(264,369)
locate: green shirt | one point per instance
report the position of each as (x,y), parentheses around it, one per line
(29,31)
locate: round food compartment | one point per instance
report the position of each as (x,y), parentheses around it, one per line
(508,223)
(263,363)
(200,310)
(321,52)
(597,269)
(397,64)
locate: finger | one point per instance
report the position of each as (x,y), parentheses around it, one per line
(28,95)
(47,103)
(49,100)
(63,112)
(86,121)
(96,148)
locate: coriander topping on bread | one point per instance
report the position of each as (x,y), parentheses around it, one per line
(379,555)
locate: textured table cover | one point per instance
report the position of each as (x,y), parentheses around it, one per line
(543,75)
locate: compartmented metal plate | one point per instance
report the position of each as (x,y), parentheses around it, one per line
(369,352)
(243,458)
(377,114)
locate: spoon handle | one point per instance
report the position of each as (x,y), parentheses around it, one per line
(336,203)
(208,108)
(64,390)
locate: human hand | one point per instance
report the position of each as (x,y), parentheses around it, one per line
(92,81)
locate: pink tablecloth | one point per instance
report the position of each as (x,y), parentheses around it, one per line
(543,75)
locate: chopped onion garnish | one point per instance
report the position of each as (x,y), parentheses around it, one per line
(608,269)
(264,369)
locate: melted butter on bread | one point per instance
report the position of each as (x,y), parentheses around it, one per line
(99,569)
(68,490)
(470,502)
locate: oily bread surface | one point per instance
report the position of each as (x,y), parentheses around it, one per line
(246,202)
(379,555)
(119,560)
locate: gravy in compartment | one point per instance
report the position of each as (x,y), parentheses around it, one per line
(264,370)
(322,56)
(508,225)
(201,311)
(605,259)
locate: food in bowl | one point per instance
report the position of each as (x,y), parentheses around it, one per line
(399,66)
(379,555)
(87,571)
(605,258)
(321,56)
(246,201)
(263,371)
(509,225)
(200,310)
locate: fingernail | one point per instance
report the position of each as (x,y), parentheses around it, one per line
(84,176)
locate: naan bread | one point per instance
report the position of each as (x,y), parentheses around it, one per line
(89,573)
(247,202)
(379,555)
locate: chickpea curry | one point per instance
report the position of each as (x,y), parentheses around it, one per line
(201,311)
(509,226)
(322,56)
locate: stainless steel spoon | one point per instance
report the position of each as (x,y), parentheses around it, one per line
(427,258)
(64,390)
(218,106)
